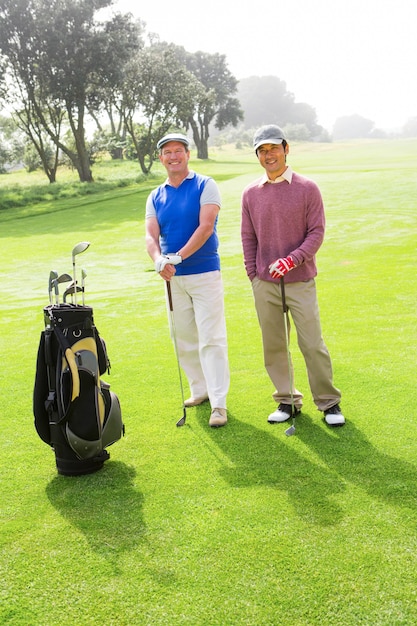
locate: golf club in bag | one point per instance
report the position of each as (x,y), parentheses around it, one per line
(291,430)
(75,411)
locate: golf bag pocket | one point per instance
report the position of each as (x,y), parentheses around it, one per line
(113,425)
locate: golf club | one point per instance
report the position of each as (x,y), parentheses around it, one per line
(291,430)
(71,290)
(52,277)
(83,275)
(70,286)
(80,247)
(63,278)
(181,421)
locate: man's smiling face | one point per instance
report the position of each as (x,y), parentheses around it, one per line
(174,157)
(272,157)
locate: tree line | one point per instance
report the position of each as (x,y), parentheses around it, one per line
(61,65)
(66,63)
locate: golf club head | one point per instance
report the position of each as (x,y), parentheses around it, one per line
(70,291)
(290,431)
(74,288)
(181,421)
(53,275)
(80,247)
(64,278)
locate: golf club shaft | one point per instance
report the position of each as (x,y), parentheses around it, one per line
(174,337)
(52,276)
(74,278)
(83,275)
(287,343)
(78,249)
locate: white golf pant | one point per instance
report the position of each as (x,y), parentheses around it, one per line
(198,311)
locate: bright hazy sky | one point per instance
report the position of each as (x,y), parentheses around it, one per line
(340,56)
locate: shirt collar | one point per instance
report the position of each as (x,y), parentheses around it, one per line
(287,175)
(190,174)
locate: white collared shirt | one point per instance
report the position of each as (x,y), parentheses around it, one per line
(286,175)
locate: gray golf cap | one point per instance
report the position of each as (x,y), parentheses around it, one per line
(173,137)
(268,134)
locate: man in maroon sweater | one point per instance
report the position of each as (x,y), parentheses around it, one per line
(282,229)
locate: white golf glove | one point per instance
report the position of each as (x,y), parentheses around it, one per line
(165,259)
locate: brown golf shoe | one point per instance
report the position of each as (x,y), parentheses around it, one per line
(195,401)
(218,418)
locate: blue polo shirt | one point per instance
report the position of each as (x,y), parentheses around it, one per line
(177,210)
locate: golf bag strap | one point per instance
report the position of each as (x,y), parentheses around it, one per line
(75,377)
(51,372)
(102,356)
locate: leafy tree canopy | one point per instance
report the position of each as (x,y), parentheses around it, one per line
(60,56)
(215,102)
(266,100)
(352,127)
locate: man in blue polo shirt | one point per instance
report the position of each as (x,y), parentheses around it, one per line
(181,239)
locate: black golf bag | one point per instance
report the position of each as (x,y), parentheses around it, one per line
(75,411)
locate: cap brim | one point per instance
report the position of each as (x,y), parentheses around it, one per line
(184,143)
(272,140)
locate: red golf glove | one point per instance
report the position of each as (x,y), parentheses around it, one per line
(280,267)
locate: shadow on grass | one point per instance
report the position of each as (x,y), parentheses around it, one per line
(382,476)
(104,506)
(344,456)
(258,457)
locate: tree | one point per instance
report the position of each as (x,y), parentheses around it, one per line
(297,132)
(304,114)
(61,57)
(157,94)
(410,127)
(110,115)
(47,151)
(214,100)
(352,127)
(11,144)
(265,100)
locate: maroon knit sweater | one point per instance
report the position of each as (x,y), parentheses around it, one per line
(279,220)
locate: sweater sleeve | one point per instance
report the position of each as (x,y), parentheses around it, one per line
(315,226)
(249,240)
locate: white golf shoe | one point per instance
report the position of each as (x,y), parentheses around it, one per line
(334,416)
(282,414)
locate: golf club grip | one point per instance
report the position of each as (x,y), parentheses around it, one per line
(284,303)
(171,308)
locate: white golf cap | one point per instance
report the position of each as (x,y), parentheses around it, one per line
(173,137)
(268,134)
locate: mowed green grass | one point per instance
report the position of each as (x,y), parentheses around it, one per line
(240,525)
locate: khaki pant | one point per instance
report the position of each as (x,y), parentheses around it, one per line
(301,299)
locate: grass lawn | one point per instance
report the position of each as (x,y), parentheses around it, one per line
(240,525)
